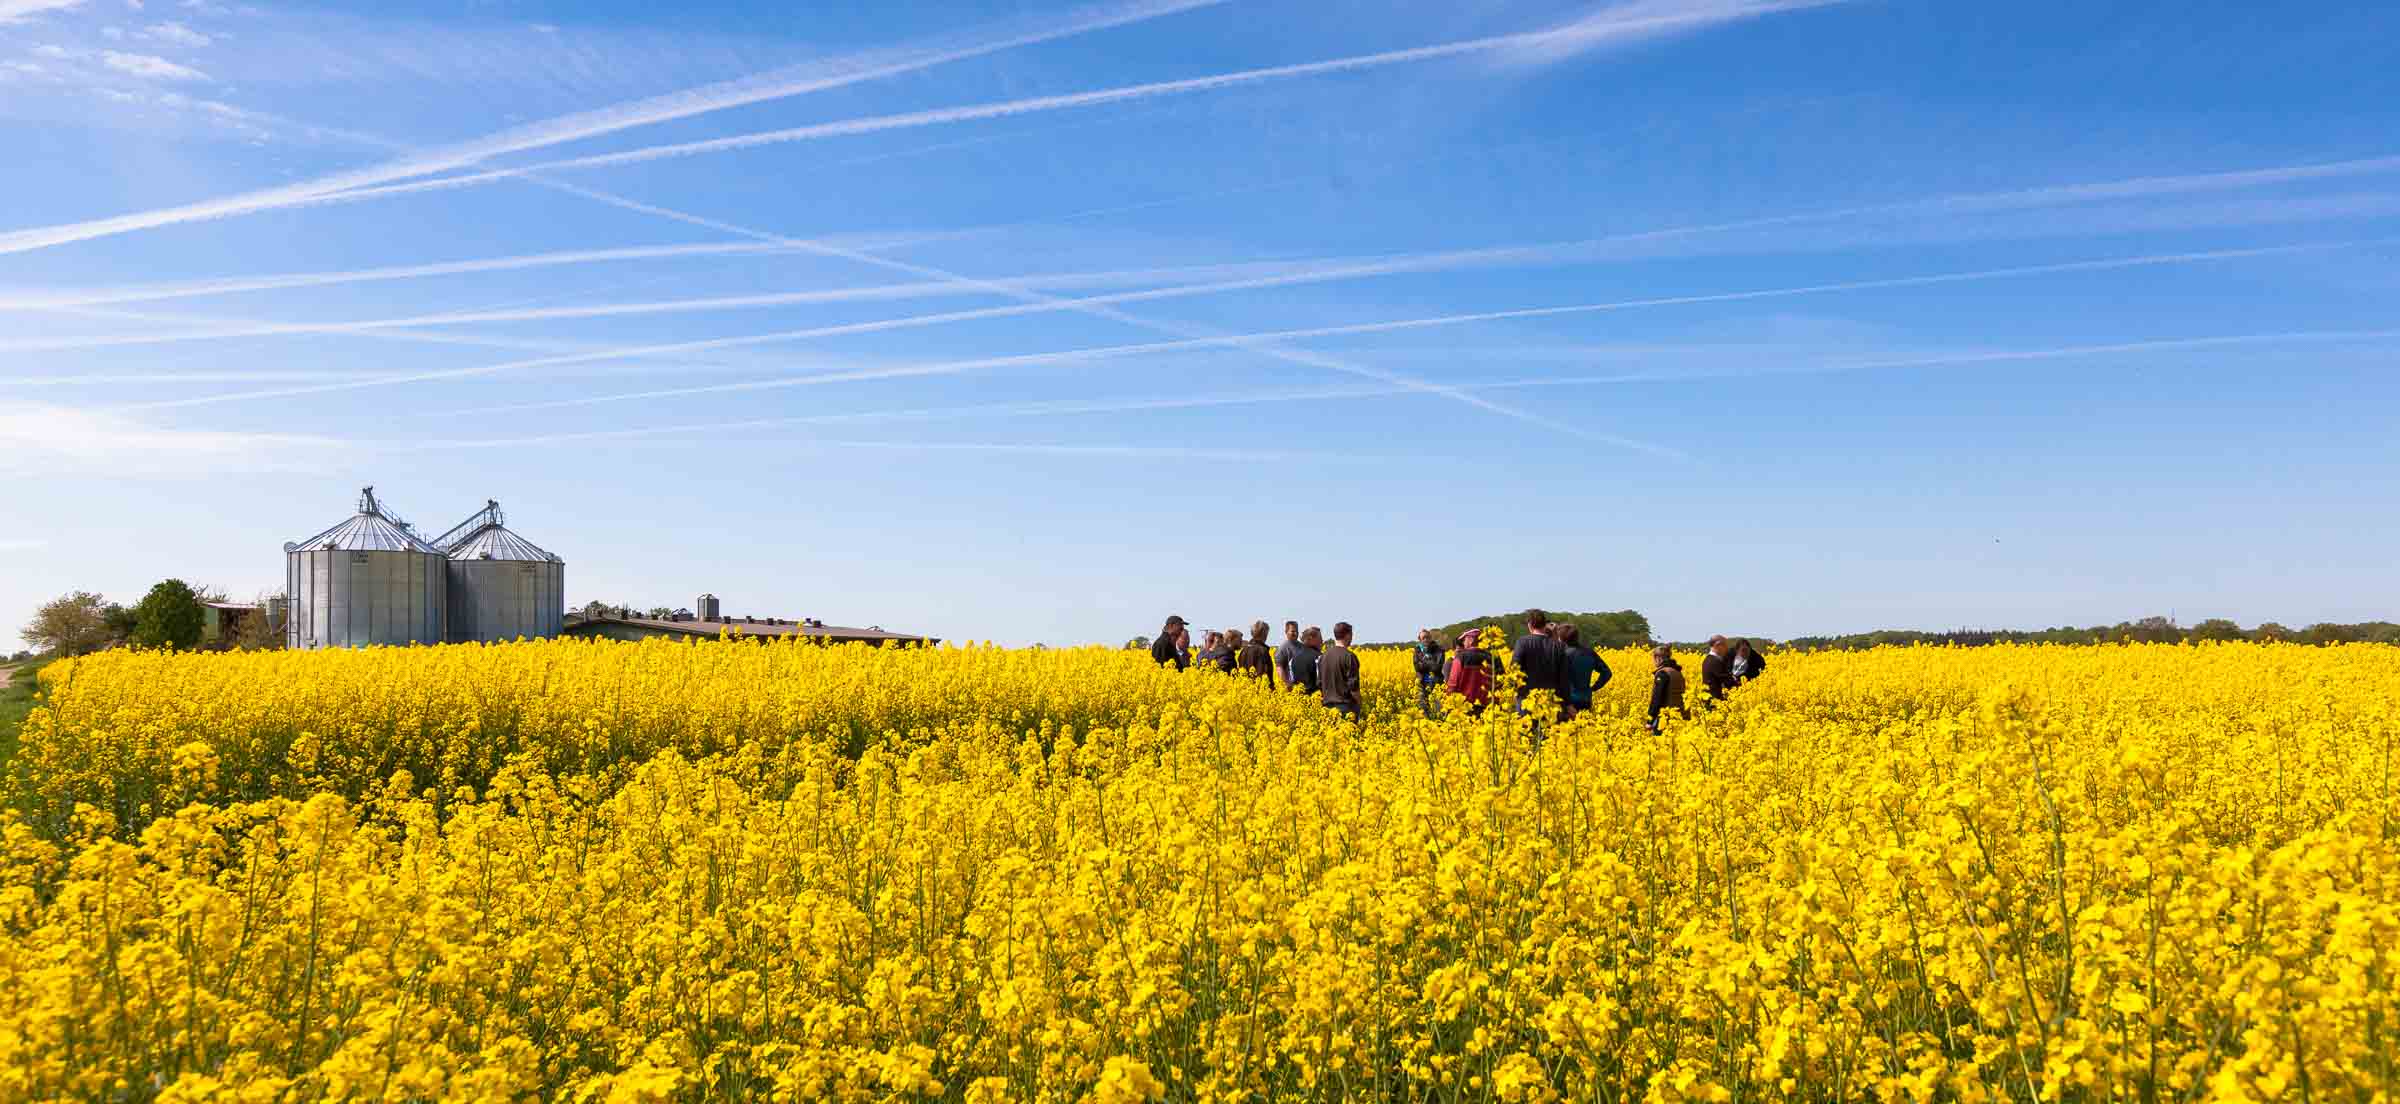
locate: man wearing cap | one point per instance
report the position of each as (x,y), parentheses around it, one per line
(1168,647)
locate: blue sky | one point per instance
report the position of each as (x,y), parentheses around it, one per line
(1038,322)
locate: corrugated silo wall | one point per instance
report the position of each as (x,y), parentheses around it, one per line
(506,599)
(351,599)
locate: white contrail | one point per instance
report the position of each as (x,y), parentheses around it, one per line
(142,293)
(1276,274)
(792,81)
(202,376)
(846,329)
(420,336)
(871,293)
(1168,452)
(2025,198)
(981,410)
(1117,351)
(1101,307)
(369,184)
(1072,407)
(1580,35)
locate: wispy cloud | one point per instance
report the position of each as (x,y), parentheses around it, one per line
(52,439)
(149,66)
(22,544)
(780,84)
(176,34)
(13,10)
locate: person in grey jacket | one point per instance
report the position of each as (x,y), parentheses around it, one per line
(1283,654)
(1337,673)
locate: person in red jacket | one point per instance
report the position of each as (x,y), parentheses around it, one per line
(1472,670)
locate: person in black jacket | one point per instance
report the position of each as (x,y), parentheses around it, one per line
(1304,659)
(1252,659)
(1216,653)
(1715,676)
(1168,648)
(1743,662)
(1541,659)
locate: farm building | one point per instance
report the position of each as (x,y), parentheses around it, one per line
(223,621)
(625,626)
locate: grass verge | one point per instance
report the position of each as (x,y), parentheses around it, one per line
(16,700)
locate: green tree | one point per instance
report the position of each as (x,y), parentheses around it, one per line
(168,617)
(120,621)
(1621,629)
(71,625)
(2216,628)
(2326,632)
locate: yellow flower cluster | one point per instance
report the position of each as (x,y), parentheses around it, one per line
(732,871)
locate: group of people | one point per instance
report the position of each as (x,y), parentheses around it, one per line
(1550,655)
(1306,660)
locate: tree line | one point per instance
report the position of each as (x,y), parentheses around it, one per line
(2148,630)
(171,615)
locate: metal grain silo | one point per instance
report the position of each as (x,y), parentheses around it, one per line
(502,586)
(366,581)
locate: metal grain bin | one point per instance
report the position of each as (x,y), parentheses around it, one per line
(502,586)
(368,580)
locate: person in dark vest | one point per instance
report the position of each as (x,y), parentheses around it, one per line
(1169,647)
(1666,684)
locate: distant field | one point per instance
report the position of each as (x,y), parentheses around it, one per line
(731,871)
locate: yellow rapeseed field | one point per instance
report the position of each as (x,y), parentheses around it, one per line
(579,870)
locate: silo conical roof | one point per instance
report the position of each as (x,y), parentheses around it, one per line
(486,536)
(494,542)
(371,530)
